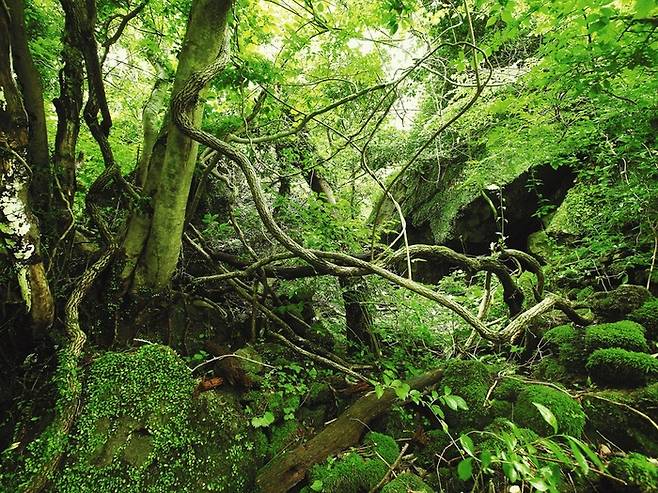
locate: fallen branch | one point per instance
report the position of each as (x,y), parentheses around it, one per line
(289,469)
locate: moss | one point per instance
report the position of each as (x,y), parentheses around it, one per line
(624,334)
(350,474)
(470,380)
(141,430)
(621,368)
(551,370)
(507,389)
(568,413)
(384,446)
(647,316)
(405,483)
(282,437)
(638,471)
(567,343)
(438,445)
(618,304)
(609,421)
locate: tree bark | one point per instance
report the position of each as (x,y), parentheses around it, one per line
(19,229)
(32,91)
(289,469)
(153,244)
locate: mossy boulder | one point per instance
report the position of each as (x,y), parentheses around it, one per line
(609,420)
(540,245)
(639,472)
(550,369)
(647,316)
(470,380)
(384,446)
(142,430)
(624,334)
(567,343)
(615,305)
(354,473)
(405,483)
(438,445)
(621,368)
(283,437)
(567,411)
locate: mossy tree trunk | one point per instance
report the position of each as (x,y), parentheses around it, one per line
(19,231)
(153,240)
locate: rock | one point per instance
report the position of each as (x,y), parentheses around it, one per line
(620,368)
(540,245)
(141,430)
(609,421)
(568,413)
(615,305)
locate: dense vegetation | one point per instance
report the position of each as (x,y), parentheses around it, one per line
(329,246)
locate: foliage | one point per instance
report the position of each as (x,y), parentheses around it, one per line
(647,316)
(622,368)
(470,379)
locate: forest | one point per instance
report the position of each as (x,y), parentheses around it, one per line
(339,246)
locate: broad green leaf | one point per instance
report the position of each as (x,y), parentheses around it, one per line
(467,444)
(261,422)
(402,390)
(379,391)
(465,469)
(539,484)
(580,459)
(548,416)
(316,485)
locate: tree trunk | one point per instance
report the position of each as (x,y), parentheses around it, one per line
(32,91)
(19,230)
(152,243)
(289,469)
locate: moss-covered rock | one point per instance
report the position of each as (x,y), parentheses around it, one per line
(470,380)
(438,445)
(567,343)
(567,411)
(350,474)
(624,334)
(621,368)
(608,419)
(617,304)
(647,316)
(354,473)
(384,446)
(405,483)
(550,369)
(141,430)
(639,472)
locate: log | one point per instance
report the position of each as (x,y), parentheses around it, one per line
(287,470)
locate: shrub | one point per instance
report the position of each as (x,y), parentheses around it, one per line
(621,368)
(625,334)
(647,316)
(568,413)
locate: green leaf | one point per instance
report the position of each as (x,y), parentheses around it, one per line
(316,485)
(580,459)
(266,420)
(539,484)
(379,391)
(548,416)
(643,7)
(510,472)
(465,469)
(467,445)
(402,390)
